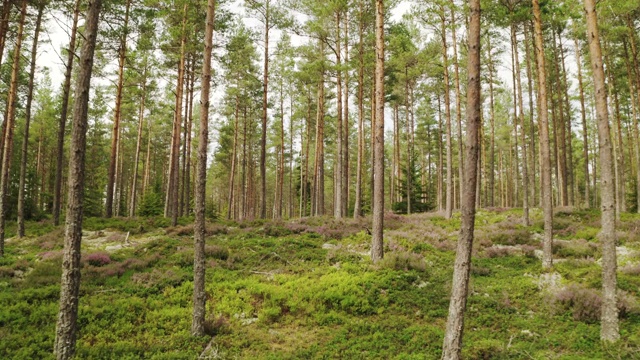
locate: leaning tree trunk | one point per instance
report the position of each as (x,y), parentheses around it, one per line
(199,231)
(378,133)
(27,123)
(115,138)
(10,124)
(66,326)
(607,236)
(455,321)
(66,87)
(547,205)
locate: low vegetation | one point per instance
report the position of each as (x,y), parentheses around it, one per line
(307,289)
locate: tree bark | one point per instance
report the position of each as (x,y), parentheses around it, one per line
(134,187)
(66,326)
(27,123)
(447,108)
(525,170)
(4,25)
(10,124)
(547,205)
(458,97)
(378,178)
(318,180)
(345,120)
(455,321)
(171,205)
(357,211)
(115,138)
(607,236)
(199,231)
(57,200)
(583,114)
(492,167)
(263,141)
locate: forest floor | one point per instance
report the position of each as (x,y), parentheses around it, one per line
(306,289)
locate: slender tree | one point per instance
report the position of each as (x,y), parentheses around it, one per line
(378,134)
(455,321)
(10,124)
(543,113)
(27,121)
(199,232)
(66,326)
(66,87)
(609,328)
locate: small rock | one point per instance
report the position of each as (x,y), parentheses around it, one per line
(328,246)
(248,321)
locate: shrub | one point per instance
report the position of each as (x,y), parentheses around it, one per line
(403,261)
(216,252)
(97,259)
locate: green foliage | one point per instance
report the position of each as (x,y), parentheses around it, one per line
(290,295)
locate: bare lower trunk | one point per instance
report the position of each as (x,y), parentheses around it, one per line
(66,326)
(357,212)
(583,114)
(378,133)
(134,187)
(10,124)
(27,123)
(547,205)
(525,170)
(455,322)
(57,192)
(607,236)
(115,139)
(447,108)
(199,231)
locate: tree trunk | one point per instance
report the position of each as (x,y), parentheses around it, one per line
(66,326)
(345,120)
(547,205)
(263,141)
(636,68)
(199,231)
(455,322)
(492,167)
(378,133)
(318,180)
(57,201)
(134,187)
(525,170)
(607,236)
(357,212)
(583,114)
(232,173)
(4,25)
(115,138)
(171,205)
(447,108)
(456,73)
(533,183)
(10,124)
(27,123)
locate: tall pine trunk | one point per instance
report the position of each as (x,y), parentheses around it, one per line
(455,322)
(607,236)
(378,134)
(66,87)
(10,124)
(543,119)
(27,123)
(115,138)
(134,186)
(66,327)
(199,230)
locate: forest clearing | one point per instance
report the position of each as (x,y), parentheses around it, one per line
(278,179)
